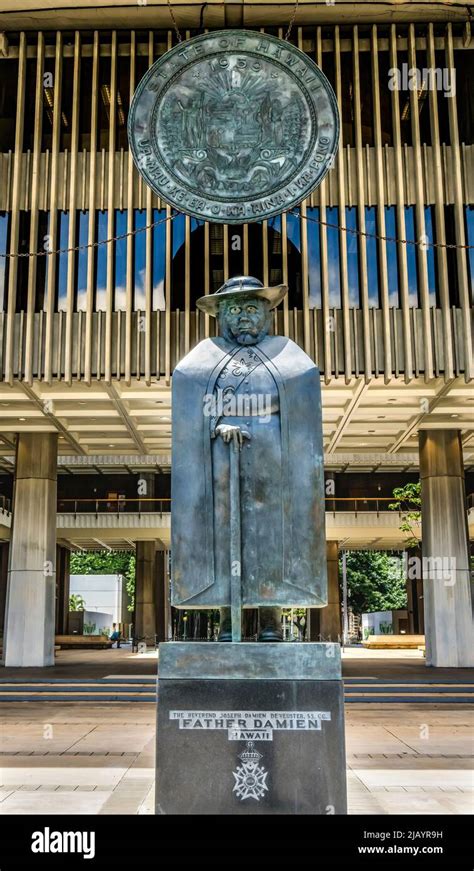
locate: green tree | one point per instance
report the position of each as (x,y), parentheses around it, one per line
(76,602)
(106,562)
(408,502)
(299,619)
(375,581)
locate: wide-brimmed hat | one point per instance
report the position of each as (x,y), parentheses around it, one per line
(243,287)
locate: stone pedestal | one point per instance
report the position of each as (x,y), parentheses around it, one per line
(446,558)
(30,607)
(250,729)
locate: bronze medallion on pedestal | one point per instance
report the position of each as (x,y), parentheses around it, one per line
(234,126)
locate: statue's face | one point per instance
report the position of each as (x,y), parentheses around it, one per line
(244,321)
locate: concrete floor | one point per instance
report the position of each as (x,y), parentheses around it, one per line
(90,663)
(86,758)
(356,662)
(96,759)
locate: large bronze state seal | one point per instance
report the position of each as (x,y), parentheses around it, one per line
(234,126)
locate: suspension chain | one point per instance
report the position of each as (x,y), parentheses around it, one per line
(292,21)
(175,24)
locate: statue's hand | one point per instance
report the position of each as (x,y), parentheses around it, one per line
(232,434)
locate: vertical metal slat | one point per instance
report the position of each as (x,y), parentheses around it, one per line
(460,230)
(53,210)
(15,210)
(362,241)
(400,211)
(420,213)
(381,244)
(92,201)
(342,219)
(130,238)
(72,207)
(111,208)
(34,210)
(323,247)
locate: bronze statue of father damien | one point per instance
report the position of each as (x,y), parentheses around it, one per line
(257,396)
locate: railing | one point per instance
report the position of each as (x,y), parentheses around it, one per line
(5,504)
(144,505)
(360,504)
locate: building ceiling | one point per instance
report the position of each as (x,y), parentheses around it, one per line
(128,427)
(68,14)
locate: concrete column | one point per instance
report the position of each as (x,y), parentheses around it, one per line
(314,616)
(330,622)
(145,587)
(168,618)
(414,588)
(420,602)
(4,547)
(146,485)
(325,624)
(30,607)
(445,547)
(125,614)
(411,606)
(160,595)
(62,589)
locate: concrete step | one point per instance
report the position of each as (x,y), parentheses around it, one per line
(143,689)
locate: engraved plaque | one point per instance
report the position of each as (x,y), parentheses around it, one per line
(233,126)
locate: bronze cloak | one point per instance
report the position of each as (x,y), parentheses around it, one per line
(302,577)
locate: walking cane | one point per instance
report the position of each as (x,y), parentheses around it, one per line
(235,541)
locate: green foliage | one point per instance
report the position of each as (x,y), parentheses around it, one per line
(130,581)
(299,619)
(76,602)
(408,501)
(101,562)
(375,581)
(106,562)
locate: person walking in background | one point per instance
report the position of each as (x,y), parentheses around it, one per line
(115,636)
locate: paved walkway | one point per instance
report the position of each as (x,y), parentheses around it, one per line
(89,758)
(93,759)
(356,662)
(90,663)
